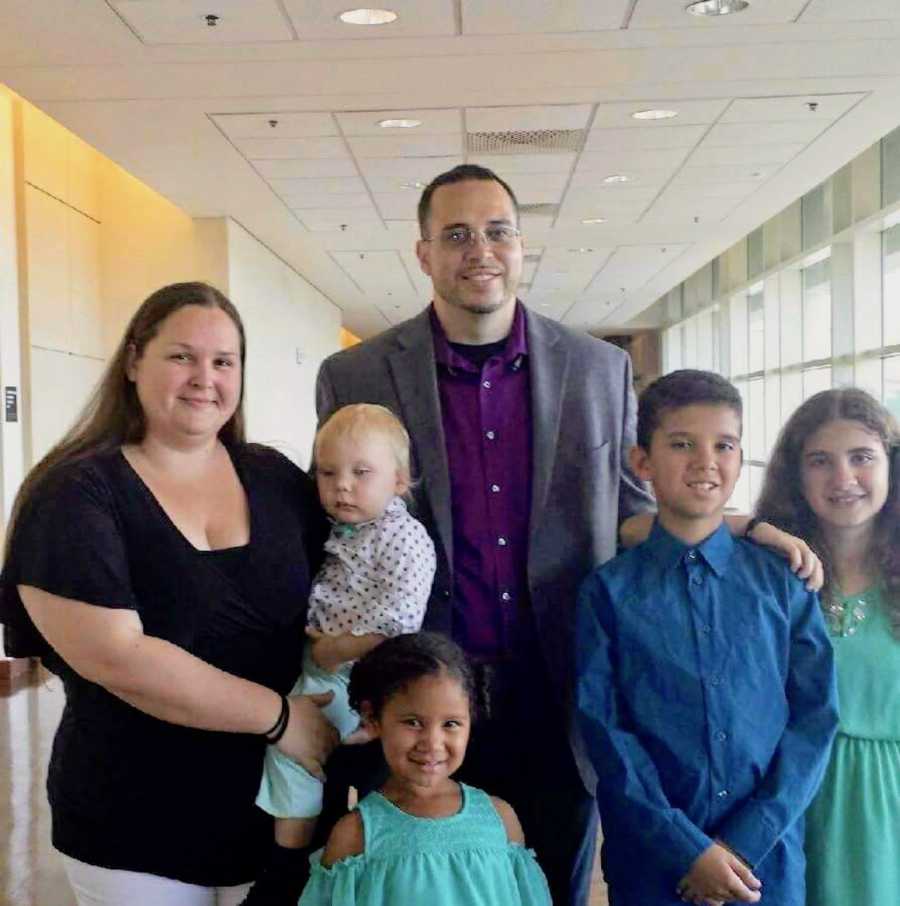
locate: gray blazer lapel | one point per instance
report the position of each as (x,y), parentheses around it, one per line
(415,379)
(548,365)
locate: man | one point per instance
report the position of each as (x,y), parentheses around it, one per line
(520,431)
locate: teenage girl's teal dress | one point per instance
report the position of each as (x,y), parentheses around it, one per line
(462,860)
(853,826)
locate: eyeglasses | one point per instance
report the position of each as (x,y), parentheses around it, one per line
(460,237)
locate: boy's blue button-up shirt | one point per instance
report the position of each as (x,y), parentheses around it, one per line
(707,701)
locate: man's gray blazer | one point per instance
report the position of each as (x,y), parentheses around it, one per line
(583,418)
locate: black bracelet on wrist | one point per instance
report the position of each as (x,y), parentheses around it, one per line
(748,529)
(277,730)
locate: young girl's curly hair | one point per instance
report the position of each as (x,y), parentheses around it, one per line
(398,662)
(783,504)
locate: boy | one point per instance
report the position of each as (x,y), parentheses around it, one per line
(705,680)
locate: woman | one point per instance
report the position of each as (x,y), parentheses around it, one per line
(838,456)
(165,564)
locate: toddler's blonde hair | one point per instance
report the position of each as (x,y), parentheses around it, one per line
(362,419)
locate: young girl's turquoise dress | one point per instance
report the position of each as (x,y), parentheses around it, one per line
(462,860)
(853,826)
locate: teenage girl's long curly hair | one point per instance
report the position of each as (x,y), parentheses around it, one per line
(782,502)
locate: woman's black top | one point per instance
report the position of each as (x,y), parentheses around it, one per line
(127,790)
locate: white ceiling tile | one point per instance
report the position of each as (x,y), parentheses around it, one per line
(421,168)
(727,135)
(741,173)
(416,18)
(391,146)
(184,21)
(531,16)
(511,165)
(292,148)
(513,119)
(651,139)
(749,155)
(339,221)
(305,168)
(434,122)
(535,223)
(376,272)
(850,11)
(675,210)
(318,200)
(630,267)
(613,159)
(666,14)
(397,205)
(690,113)
(288,125)
(690,188)
(638,179)
(331,185)
(528,270)
(794,107)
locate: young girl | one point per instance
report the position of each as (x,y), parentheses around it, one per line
(374,584)
(423,838)
(833,480)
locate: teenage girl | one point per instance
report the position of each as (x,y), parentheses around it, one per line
(833,480)
(423,837)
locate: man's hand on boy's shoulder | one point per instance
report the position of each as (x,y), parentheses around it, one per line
(719,876)
(800,556)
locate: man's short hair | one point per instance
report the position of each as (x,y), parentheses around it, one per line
(459,174)
(687,387)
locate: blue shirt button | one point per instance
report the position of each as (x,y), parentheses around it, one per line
(722,794)
(715,680)
(721,736)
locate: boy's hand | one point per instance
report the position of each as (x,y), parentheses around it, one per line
(801,558)
(718,875)
(330,651)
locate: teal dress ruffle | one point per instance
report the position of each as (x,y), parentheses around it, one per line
(462,860)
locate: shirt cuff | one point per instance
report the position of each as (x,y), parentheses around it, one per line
(749,834)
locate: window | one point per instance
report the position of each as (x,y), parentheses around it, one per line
(756,329)
(892,384)
(817,311)
(891,291)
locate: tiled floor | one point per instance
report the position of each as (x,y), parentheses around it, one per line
(30,871)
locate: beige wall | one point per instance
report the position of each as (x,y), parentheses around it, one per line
(291,327)
(93,242)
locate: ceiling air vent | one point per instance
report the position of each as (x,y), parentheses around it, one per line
(524,141)
(543,210)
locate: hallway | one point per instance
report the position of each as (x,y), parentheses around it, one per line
(30,871)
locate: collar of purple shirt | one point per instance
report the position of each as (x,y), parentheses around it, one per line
(445,354)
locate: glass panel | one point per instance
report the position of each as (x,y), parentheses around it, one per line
(892,384)
(892,286)
(755,261)
(867,376)
(756,330)
(755,421)
(739,335)
(739,502)
(816,216)
(672,348)
(814,380)
(791,393)
(791,332)
(757,476)
(890,168)
(817,311)
(772,332)
(773,411)
(689,329)
(705,342)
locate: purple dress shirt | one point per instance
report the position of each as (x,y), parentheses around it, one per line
(486,414)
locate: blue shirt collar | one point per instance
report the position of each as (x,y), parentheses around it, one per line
(716,549)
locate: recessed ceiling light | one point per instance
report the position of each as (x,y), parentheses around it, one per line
(616,178)
(364,16)
(655,114)
(580,251)
(413,185)
(399,124)
(595,220)
(716,7)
